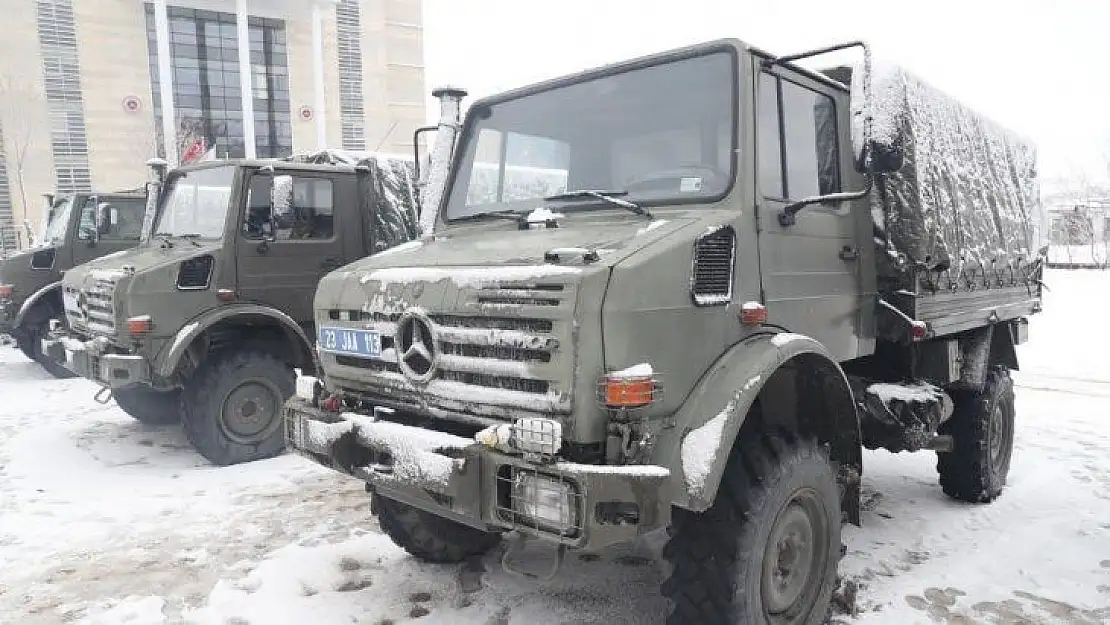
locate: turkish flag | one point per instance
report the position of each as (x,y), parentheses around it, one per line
(193,152)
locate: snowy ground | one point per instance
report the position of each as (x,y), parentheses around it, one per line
(105,521)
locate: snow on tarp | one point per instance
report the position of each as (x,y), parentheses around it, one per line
(397,208)
(967,195)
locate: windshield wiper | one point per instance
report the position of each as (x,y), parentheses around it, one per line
(191,237)
(515,215)
(164,237)
(611,197)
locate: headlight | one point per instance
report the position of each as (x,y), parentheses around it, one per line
(549,503)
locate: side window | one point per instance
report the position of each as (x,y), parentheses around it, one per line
(311,216)
(86,224)
(769,148)
(125,219)
(809,126)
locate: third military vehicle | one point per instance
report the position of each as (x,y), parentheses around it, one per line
(686,292)
(77,228)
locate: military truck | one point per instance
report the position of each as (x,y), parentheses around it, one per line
(685,292)
(77,228)
(206,320)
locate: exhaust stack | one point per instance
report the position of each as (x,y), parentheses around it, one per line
(433,178)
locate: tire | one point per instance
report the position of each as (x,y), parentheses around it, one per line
(982,430)
(720,560)
(232,407)
(149,406)
(428,537)
(28,341)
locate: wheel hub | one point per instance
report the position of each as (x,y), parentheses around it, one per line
(248,411)
(793,559)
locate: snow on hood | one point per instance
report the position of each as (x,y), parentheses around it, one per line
(485,246)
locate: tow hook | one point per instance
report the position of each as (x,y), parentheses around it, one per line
(103,396)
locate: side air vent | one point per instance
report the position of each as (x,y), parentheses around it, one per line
(43,259)
(195,273)
(711,279)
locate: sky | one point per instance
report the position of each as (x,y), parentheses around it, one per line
(1039,68)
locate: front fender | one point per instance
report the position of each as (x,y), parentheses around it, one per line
(35,298)
(187,334)
(711,418)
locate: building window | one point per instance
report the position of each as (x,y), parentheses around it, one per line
(8,240)
(61,74)
(207,97)
(352,116)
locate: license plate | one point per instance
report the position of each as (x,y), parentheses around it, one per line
(349,341)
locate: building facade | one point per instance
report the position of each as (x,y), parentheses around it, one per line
(91,89)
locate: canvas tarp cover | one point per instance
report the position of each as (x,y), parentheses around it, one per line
(397,209)
(967,195)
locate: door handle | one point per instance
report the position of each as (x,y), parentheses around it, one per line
(848,253)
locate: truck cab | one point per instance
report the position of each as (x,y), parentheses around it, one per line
(77,228)
(683,291)
(206,320)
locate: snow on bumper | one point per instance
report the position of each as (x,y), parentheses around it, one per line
(89,360)
(460,479)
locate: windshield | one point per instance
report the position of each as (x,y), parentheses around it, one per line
(662,133)
(55,222)
(196,203)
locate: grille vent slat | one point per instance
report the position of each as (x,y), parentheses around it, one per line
(711,279)
(195,273)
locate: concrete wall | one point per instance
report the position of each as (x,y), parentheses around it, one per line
(111,38)
(23,114)
(111,43)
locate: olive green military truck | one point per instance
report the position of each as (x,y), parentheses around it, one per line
(686,292)
(77,228)
(206,320)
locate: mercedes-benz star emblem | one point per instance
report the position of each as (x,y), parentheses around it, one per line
(417,347)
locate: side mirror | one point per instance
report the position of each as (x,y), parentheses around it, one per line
(417,158)
(106,217)
(281,205)
(886,159)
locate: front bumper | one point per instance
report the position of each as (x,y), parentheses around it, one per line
(91,359)
(462,480)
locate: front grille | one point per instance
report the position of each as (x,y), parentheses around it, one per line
(509,352)
(92,309)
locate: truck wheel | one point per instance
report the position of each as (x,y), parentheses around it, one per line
(428,537)
(982,430)
(149,406)
(766,552)
(29,343)
(232,407)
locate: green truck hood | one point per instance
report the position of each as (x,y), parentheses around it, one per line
(15,269)
(493,242)
(136,260)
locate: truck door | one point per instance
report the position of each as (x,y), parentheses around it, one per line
(281,268)
(120,232)
(809,270)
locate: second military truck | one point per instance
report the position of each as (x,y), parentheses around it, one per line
(206,321)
